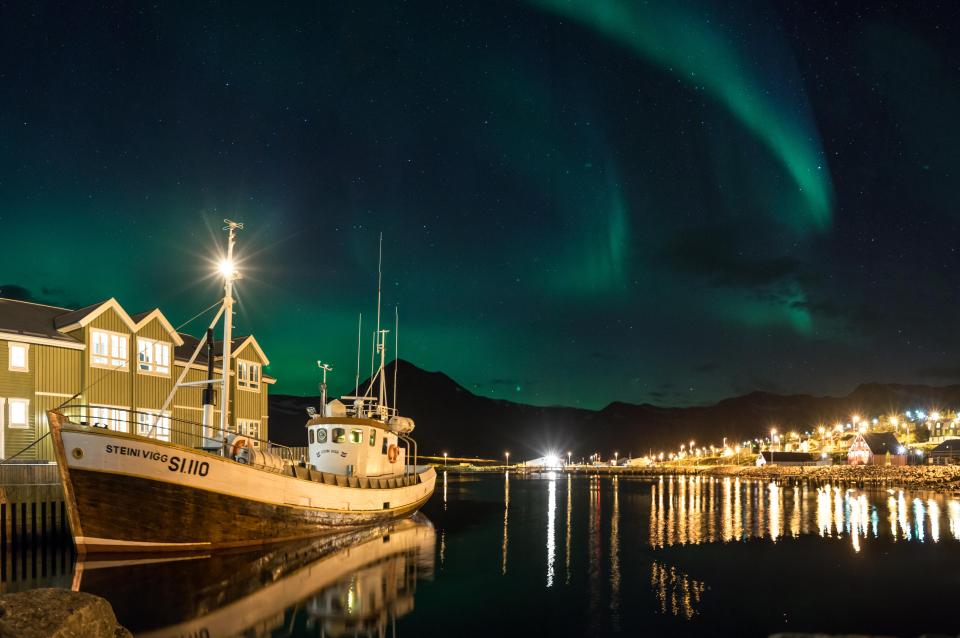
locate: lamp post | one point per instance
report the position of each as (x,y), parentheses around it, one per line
(444,459)
(773,434)
(508,458)
(569,454)
(615,455)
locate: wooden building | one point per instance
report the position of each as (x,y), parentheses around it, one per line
(876,448)
(116,363)
(768,457)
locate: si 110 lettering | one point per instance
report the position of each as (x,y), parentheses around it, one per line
(188,466)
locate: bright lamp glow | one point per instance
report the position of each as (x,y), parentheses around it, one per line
(227,268)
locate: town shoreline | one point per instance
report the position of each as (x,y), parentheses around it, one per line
(934,477)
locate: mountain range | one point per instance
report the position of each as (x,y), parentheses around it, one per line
(452,419)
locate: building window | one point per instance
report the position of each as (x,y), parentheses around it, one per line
(19,413)
(115,419)
(108,349)
(153,356)
(151,424)
(248,375)
(19,360)
(251,430)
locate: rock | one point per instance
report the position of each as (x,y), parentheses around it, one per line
(57,613)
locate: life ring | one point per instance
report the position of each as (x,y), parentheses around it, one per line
(238,443)
(392,453)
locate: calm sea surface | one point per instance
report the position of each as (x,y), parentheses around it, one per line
(559,556)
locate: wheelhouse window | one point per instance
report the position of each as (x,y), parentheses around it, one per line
(111,418)
(373,437)
(321,435)
(19,413)
(151,423)
(356,436)
(18,360)
(153,357)
(248,375)
(383,448)
(311,436)
(108,349)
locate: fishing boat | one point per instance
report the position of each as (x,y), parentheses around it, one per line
(128,491)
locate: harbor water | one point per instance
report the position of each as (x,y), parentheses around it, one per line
(561,555)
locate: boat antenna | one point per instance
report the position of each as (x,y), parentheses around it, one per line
(356,383)
(230,274)
(326,367)
(396,351)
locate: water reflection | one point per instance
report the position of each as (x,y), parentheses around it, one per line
(551,524)
(677,593)
(506,520)
(615,555)
(695,510)
(354,584)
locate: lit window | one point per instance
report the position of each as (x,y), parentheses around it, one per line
(373,437)
(108,349)
(248,375)
(18,361)
(153,356)
(250,429)
(19,413)
(115,419)
(339,435)
(356,436)
(151,424)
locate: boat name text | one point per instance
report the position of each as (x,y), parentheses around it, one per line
(174,463)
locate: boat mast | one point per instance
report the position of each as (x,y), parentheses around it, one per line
(229,275)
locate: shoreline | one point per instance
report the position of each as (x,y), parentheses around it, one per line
(936,477)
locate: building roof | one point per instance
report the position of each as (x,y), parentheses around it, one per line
(950,445)
(39,320)
(32,319)
(75,316)
(788,457)
(882,442)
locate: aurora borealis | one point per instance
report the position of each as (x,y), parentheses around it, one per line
(581,202)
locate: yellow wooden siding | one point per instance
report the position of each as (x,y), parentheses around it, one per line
(155,330)
(18,385)
(107,386)
(44,449)
(59,370)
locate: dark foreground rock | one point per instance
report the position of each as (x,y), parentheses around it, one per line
(57,613)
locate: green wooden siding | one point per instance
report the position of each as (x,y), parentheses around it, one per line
(59,370)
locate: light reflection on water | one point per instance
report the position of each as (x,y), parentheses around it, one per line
(696,510)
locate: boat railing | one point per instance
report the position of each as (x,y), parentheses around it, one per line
(151,425)
(367,408)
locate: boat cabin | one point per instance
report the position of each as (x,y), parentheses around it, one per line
(346,444)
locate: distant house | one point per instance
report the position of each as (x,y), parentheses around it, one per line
(787,458)
(877,448)
(947,453)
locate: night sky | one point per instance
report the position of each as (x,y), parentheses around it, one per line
(581,200)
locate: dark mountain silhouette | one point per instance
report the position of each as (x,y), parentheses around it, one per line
(451,418)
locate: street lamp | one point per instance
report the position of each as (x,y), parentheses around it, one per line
(444,459)
(508,458)
(615,455)
(569,454)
